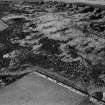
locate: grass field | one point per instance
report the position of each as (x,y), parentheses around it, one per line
(35,90)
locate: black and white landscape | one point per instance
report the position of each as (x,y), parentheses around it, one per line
(65,41)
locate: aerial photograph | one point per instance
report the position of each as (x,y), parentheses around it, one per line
(52,52)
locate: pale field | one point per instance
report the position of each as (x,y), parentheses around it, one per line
(36,90)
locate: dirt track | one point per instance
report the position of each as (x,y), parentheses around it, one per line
(90,2)
(93,2)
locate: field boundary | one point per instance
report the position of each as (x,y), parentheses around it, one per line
(60,80)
